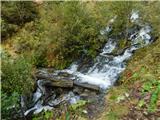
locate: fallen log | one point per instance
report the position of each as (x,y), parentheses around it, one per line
(44,76)
(62,82)
(63,79)
(68,83)
(47,75)
(86,85)
(59,82)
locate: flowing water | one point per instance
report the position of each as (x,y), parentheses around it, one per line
(106,68)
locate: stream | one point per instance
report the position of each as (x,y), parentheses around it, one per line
(104,72)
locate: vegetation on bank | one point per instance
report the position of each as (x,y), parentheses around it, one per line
(54,34)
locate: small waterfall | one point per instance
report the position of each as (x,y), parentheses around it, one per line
(107,67)
(105,70)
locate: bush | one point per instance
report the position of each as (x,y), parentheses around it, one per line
(73,34)
(18,12)
(16,80)
(66,31)
(62,37)
(9,105)
(15,14)
(7,29)
(16,75)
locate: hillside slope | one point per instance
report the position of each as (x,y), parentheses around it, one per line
(138,94)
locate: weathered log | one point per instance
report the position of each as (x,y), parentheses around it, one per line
(86,85)
(63,79)
(44,76)
(47,75)
(55,80)
(63,82)
(59,82)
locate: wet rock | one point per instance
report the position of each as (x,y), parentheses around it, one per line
(88,94)
(78,90)
(85,64)
(116,52)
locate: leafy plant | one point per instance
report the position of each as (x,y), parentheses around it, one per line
(141,103)
(153,87)
(15,14)
(9,105)
(45,115)
(154,98)
(16,75)
(79,103)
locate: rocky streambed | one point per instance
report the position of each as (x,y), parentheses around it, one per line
(58,87)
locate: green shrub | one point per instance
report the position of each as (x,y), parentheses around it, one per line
(76,34)
(39,58)
(152,87)
(16,80)
(18,12)
(65,31)
(62,37)
(16,75)
(44,115)
(15,14)
(7,29)
(9,105)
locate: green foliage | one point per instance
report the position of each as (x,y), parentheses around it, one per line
(111,116)
(7,29)
(62,37)
(18,12)
(151,15)
(154,98)
(135,75)
(67,116)
(45,115)
(79,34)
(152,87)
(39,59)
(147,87)
(67,35)
(79,104)
(141,103)
(54,34)
(16,75)
(122,12)
(115,112)
(15,14)
(9,105)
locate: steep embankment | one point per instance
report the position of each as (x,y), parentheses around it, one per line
(138,93)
